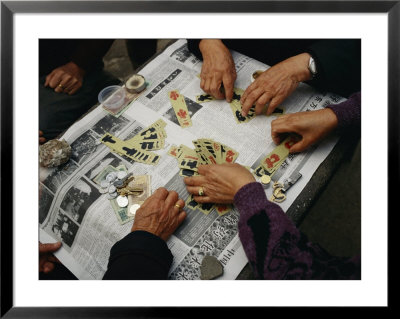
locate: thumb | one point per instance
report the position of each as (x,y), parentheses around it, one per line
(278,130)
(49,248)
(298,147)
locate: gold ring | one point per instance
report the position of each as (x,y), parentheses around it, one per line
(179,207)
(60,86)
(201,191)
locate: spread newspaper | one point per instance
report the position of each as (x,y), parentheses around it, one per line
(75,209)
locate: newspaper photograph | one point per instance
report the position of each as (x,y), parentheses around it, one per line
(75,209)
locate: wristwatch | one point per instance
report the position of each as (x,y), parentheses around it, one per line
(312,67)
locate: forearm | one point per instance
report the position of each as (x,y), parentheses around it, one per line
(348,112)
(338,65)
(276,249)
(139,255)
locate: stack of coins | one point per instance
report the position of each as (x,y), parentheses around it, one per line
(265,180)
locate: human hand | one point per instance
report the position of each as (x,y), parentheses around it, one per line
(274,85)
(218,67)
(67,78)
(42,139)
(220,182)
(46,257)
(160,214)
(312,126)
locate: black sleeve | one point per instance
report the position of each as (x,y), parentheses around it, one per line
(338,65)
(193,46)
(139,255)
(89,53)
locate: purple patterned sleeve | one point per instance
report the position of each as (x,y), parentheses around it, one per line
(348,112)
(276,249)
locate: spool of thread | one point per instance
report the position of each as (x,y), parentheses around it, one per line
(135,84)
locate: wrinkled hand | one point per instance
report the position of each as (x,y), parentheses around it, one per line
(42,139)
(220,182)
(46,257)
(311,126)
(159,215)
(67,78)
(274,85)
(218,67)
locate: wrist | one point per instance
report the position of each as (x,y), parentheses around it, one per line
(75,68)
(302,72)
(330,118)
(209,44)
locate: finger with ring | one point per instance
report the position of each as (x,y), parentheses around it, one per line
(201,191)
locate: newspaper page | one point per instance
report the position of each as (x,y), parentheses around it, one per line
(74,209)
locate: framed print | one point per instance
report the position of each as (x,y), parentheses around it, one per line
(23,23)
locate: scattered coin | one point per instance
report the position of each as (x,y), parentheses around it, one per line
(121,174)
(112,189)
(103,190)
(122,201)
(111,177)
(104,184)
(133,209)
(118,183)
(112,195)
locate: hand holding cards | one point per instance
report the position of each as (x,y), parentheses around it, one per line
(207,151)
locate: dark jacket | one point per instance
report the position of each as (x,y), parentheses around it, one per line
(338,60)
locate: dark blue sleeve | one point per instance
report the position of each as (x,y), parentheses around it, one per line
(139,255)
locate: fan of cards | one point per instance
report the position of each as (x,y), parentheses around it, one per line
(207,151)
(140,147)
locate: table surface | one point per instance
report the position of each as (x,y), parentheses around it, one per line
(298,210)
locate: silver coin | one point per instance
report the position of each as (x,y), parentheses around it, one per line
(104,184)
(112,189)
(103,190)
(133,209)
(112,195)
(118,183)
(121,174)
(111,177)
(122,201)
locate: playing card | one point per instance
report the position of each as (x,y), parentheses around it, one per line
(206,208)
(204,98)
(274,159)
(173,151)
(222,209)
(181,111)
(191,203)
(119,146)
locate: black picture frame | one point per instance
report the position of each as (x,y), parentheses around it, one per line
(9,8)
